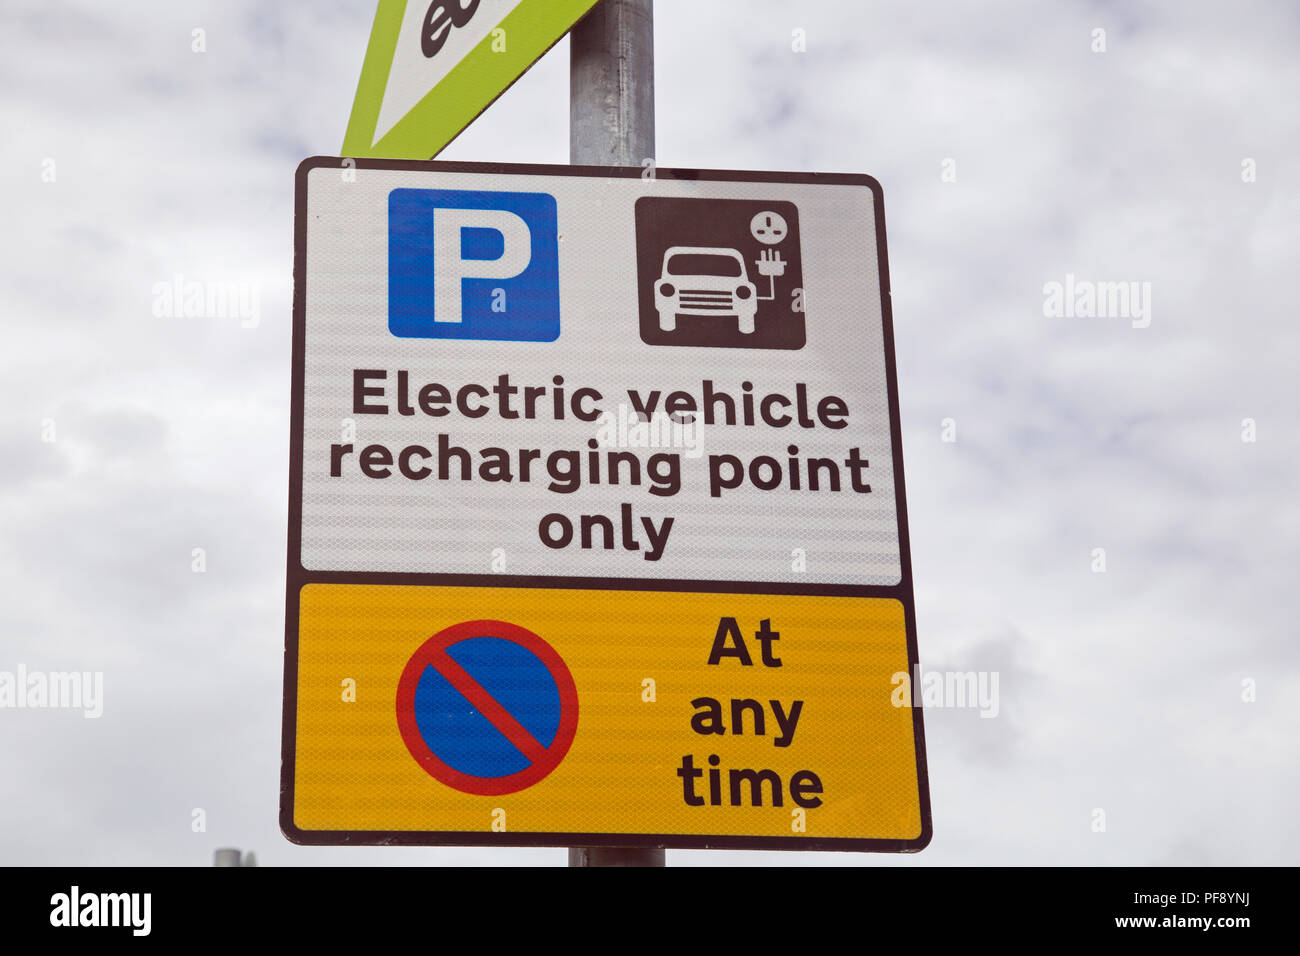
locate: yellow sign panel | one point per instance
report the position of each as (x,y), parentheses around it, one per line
(789,735)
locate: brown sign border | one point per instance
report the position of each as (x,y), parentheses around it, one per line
(297,576)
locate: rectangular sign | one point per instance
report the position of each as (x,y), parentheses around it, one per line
(597,525)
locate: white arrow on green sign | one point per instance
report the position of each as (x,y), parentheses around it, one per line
(432,66)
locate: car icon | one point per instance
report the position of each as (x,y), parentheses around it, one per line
(705,281)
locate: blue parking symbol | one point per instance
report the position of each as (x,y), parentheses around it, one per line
(473,264)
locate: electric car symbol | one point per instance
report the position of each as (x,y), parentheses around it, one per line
(705,281)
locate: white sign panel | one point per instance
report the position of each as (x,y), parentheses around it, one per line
(543,373)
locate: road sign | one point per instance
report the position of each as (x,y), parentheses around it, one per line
(597,524)
(432,66)
(487,707)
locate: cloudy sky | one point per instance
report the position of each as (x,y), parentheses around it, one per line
(1171,158)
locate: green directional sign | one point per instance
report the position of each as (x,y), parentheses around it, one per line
(432,66)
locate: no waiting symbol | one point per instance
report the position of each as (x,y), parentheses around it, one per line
(487,707)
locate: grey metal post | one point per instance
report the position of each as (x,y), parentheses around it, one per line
(612,123)
(229,856)
(614,856)
(612,85)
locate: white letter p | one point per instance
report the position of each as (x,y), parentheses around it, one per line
(450,266)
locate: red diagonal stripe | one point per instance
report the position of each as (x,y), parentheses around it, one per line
(486,704)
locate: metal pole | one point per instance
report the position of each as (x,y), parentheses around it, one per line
(612,85)
(614,856)
(229,856)
(612,123)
